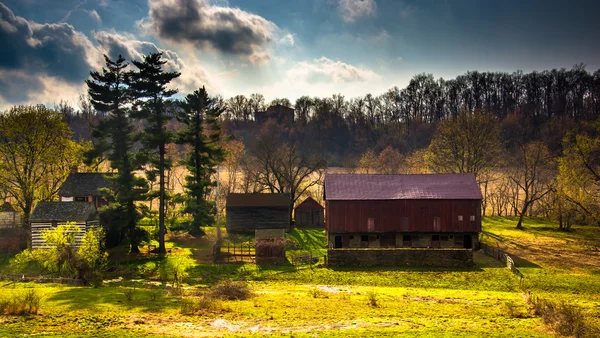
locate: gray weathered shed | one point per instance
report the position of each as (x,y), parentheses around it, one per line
(48,215)
(249,212)
(9,217)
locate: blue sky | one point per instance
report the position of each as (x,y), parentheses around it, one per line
(287,48)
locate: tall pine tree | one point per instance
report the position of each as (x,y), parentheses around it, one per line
(149,86)
(200,115)
(109,93)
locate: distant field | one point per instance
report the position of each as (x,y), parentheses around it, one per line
(305,301)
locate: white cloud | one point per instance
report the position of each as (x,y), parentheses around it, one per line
(324,70)
(323,77)
(287,39)
(94,15)
(350,10)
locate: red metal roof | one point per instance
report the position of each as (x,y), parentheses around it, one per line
(399,187)
(309,204)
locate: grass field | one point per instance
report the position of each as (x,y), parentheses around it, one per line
(315,301)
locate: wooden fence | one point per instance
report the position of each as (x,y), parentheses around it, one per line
(231,253)
(502,256)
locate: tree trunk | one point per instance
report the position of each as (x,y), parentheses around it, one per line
(522,215)
(161,205)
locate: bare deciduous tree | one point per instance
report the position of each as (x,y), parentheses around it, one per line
(533,175)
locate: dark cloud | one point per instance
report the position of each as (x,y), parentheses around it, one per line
(17,87)
(200,24)
(51,49)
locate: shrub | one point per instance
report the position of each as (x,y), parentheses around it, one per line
(175,268)
(373,298)
(21,304)
(63,259)
(129,292)
(191,306)
(230,290)
(317,293)
(566,320)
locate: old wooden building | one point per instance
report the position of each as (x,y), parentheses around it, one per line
(249,212)
(402,211)
(309,214)
(48,215)
(9,217)
(84,187)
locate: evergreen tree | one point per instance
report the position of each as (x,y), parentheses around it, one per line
(109,93)
(149,87)
(200,114)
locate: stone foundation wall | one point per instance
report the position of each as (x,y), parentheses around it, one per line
(400,257)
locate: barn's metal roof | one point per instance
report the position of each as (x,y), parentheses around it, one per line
(64,212)
(258,200)
(399,187)
(84,184)
(309,204)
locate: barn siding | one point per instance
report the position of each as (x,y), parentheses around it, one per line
(387,215)
(309,218)
(37,239)
(252,218)
(9,219)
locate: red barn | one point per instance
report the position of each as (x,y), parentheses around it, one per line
(309,214)
(402,211)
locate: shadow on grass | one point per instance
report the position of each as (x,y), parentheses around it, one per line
(112,298)
(309,239)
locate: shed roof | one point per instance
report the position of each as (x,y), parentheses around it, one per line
(399,187)
(6,207)
(64,212)
(84,184)
(309,204)
(258,200)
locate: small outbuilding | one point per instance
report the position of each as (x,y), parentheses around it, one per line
(9,217)
(249,212)
(309,214)
(84,187)
(48,215)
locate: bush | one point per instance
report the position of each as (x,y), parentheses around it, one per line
(201,305)
(230,290)
(566,320)
(373,298)
(21,304)
(175,268)
(63,259)
(317,293)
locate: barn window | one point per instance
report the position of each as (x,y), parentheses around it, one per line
(436,223)
(472,218)
(371,224)
(406,240)
(80,199)
(364,238)
(444,238)
(460,218)
(351,236)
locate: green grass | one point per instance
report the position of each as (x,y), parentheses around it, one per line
(557,265)
(308,301)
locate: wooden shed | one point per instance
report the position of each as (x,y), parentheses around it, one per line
(84,187)
(48,215)
(397,211)
(9,217)
(249,212)
(309,214)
